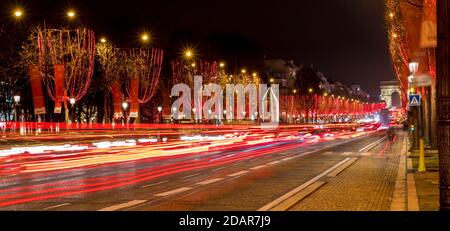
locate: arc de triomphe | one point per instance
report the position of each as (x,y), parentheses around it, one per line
(391,93)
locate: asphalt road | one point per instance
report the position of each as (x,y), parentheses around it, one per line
(234,179)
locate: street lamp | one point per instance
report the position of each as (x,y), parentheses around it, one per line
(243,71)
(188,54)
(72,103)
(71,13)
(103,40)
(17,99)
(18,13)
(159,113)
(413,67)
(16,103)
(222,64)
(125,106)
(145,37)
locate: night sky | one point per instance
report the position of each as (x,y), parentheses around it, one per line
(344,39)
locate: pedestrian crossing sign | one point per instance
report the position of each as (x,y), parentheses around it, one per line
(414,100)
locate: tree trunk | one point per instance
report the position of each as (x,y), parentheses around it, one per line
(66,112)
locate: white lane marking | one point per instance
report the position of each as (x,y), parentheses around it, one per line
(366,154)
(347,153)
(210,181)
(288,158)
(301,187)
(237,173)
(56,206)
(189,176)
(122,205)
(178,190)
(371,145)
(158,183)
(258,167)
(217,169)
(274,162)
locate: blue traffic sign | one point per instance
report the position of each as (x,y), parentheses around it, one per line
(414,100)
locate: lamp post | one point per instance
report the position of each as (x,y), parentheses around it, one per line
(174,110)
(72,103)
(159,114)
(194,110)
(16,104)
(125,106)
(413,68)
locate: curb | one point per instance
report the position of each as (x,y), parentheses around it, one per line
(399,200)
(413,201)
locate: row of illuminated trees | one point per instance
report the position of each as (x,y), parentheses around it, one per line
(60,64)
(323,107)
(70,70)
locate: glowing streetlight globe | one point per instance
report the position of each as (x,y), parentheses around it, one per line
(18,13)
(145,37)
(222,64)
(71,13)
(159,109)
(125,105)
(103,40)
(413,67)
(72,101)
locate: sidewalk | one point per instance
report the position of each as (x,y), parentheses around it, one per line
(427,183)
(372,183)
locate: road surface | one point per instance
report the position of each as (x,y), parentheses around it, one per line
(230,173)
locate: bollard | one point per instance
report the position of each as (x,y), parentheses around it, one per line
(422,156)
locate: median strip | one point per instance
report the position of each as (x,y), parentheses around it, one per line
(372,145)
(274,162)
(301,187)
(258,167)
(175,191)
(287,204)
(56,206)
(210,181)
(342,167)
(123,205)
(237,173)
